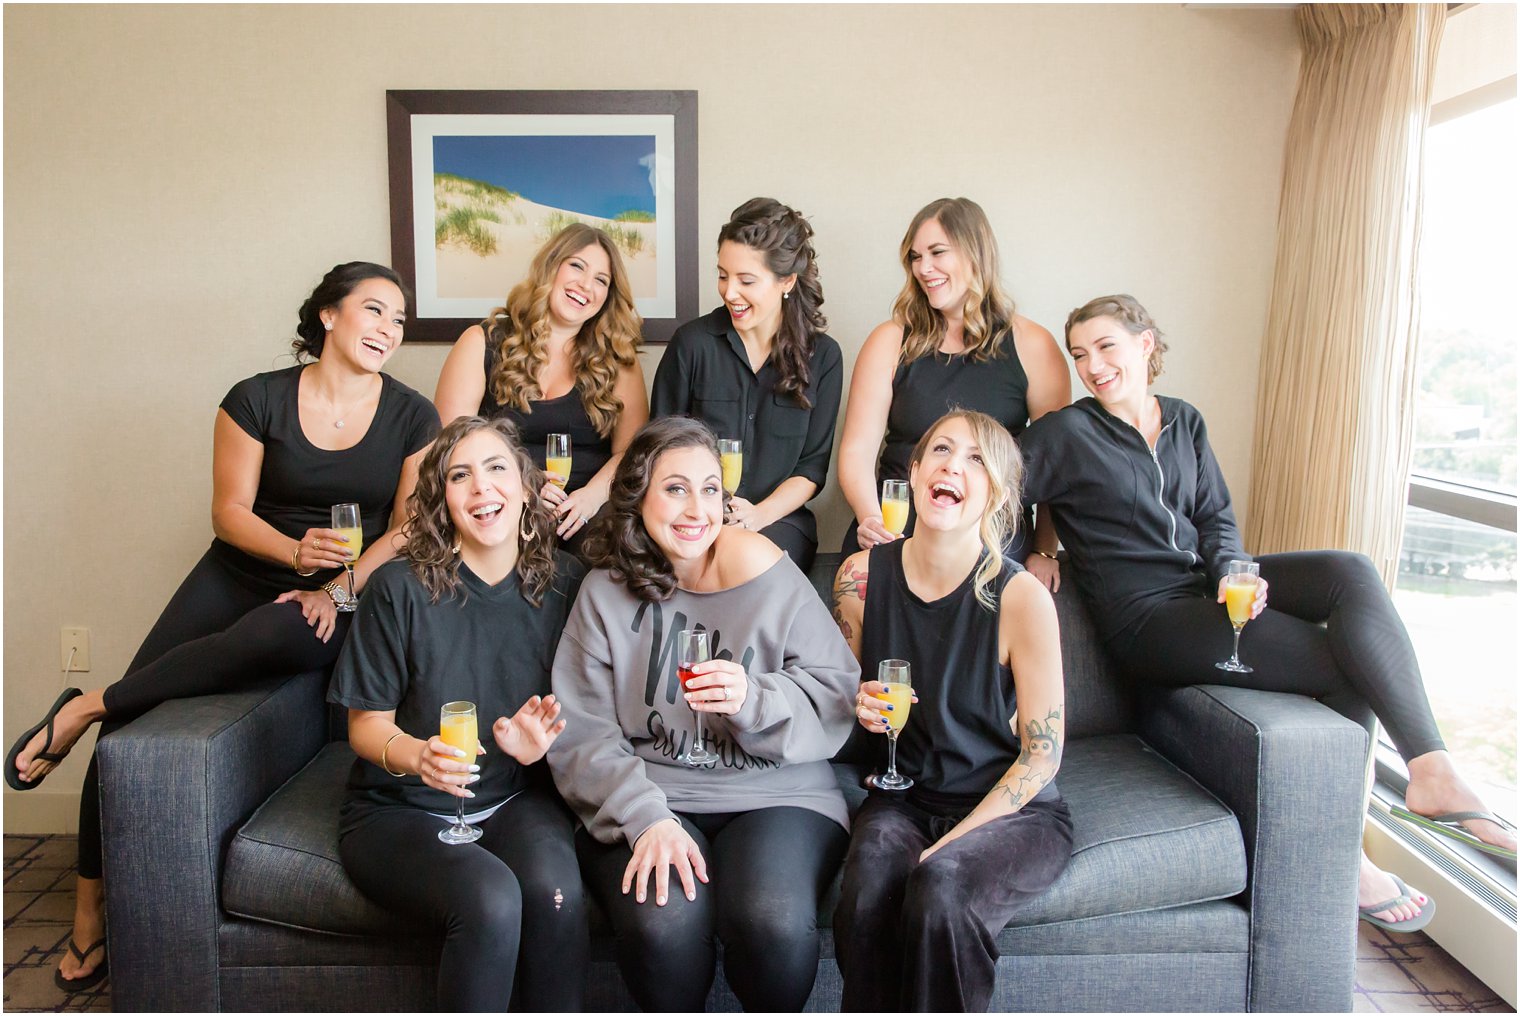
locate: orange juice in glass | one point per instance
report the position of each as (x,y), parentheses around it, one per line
(457,728)
(731,457)
(1239,595)
(897,690)
(557,459)
(894,506)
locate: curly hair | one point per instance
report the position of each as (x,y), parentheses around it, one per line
(431,539)
(618,540)
(1136,320)
(1005,482)
(340,280)
(784,238)
(607,343)
(988,313)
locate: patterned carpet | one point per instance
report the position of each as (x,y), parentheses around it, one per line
(1394,973)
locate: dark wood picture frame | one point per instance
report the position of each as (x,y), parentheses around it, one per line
(401,105)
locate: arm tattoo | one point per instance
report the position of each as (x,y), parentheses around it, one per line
(1039,759)
(851,581)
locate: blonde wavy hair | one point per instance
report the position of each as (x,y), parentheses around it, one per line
(430,533)
(606,344)
(1005,482)
(988,313)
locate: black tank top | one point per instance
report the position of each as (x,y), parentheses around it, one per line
(589,451)
(957,741)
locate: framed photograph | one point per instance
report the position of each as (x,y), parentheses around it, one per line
(481,180)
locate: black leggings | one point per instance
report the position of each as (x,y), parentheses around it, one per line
(766,870)
(793,542)
(1330,632)
(922,937)
(509,905)
(217,634)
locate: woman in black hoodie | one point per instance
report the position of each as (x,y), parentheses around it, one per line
(1143,511)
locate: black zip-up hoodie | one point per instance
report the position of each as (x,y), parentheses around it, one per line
(1139,528)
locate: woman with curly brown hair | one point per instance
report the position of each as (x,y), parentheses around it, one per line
(754,837)
(478,564)
(953,341)
(760,369)
(559,358)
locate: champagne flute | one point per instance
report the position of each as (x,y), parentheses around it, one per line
(1239,595)
(896,677)
(557,459)
(345,519)
(731,456)
(894,506)
(457,729)
(692,649)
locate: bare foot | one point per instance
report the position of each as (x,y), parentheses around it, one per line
(89,928)
(1375,885)
(1435,788)
(69,726)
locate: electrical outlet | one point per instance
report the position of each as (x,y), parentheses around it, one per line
(76,650)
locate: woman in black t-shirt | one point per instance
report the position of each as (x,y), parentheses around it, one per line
(935,872)
(761,370)
(561,357)
(474,613)
(954,342)
(263,600)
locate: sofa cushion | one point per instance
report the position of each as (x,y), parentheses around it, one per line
(1146,836)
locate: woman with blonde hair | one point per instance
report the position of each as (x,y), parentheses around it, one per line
(471,612)
(954,340)
(1152,558)
(935,871)
(560,357)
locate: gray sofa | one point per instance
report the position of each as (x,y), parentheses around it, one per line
(1217,838)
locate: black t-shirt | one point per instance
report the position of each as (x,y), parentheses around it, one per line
(705,373)
(589,450)
(957,741)
(299,482)
(484,644)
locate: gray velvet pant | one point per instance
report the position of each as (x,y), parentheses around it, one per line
(913,937)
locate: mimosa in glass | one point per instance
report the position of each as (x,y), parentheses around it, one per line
(894,506)
(345,519)
(691,649)
(731,455)
(457,728)
(557,459)
(1239,595)
(897,683)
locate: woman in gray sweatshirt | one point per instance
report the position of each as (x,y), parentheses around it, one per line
(754,837)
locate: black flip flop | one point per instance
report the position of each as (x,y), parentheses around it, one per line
(89,980)
(12,775)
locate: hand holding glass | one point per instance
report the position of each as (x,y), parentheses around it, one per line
(894,506)
(692,649)
(457,728)
(557,459)
(731,456)
(345,519)
(1239,596)
(895,676)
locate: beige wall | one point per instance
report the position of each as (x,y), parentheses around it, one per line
(177,178)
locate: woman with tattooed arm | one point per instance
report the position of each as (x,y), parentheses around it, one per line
(935,872)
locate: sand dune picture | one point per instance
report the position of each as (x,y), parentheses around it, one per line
(497,200)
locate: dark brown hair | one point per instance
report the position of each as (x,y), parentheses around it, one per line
(618,540)
(430,533)
(784,238)
(331,291)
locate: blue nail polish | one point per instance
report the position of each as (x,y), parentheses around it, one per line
(889,709)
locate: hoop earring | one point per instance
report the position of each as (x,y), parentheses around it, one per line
(530,534)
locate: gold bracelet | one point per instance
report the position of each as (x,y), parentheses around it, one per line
(295,562)
(1045,555)
(384,762)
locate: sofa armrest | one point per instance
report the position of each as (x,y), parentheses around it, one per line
(175,785)
(1293,772)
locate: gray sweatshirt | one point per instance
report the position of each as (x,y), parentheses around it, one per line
(626,721)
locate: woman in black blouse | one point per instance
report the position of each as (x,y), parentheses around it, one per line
(561,357)
(953,341)
(473,613)
(263,600)
(936,871)
(761,370)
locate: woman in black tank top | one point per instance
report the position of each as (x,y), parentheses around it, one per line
(936,871)
(953,342)
(561,357)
